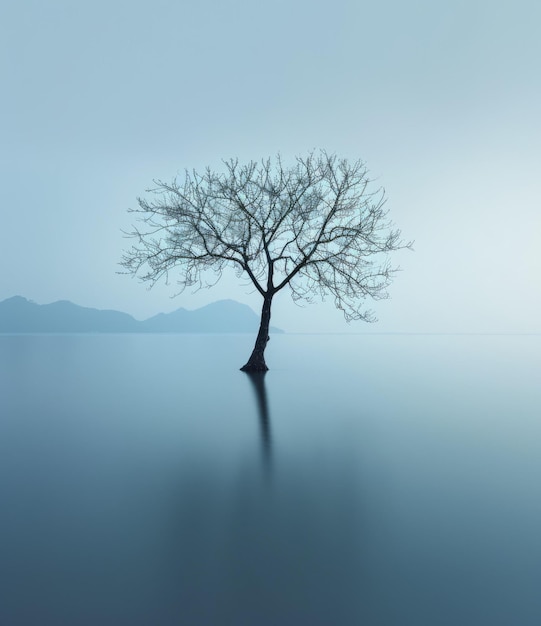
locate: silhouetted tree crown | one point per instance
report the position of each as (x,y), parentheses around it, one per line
(316,227)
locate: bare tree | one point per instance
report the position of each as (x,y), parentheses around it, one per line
(315,227)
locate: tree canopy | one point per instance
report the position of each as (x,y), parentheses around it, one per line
(316,227)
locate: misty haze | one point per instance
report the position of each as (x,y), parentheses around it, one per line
(376,475)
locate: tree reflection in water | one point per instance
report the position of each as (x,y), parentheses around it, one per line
(257,379)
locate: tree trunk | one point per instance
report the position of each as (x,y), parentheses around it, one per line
(256,362)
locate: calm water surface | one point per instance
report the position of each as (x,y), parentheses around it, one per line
(378,480)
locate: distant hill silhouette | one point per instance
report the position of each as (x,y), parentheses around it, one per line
(19,315)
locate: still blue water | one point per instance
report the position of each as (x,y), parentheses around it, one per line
(374,480)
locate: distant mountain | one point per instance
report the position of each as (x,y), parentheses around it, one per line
(19,315)
(224,316)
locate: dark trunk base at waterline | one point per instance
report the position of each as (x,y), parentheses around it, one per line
(254,367)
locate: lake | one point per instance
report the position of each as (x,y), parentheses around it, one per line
(365,479)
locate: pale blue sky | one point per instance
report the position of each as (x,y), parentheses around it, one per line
(442,100)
